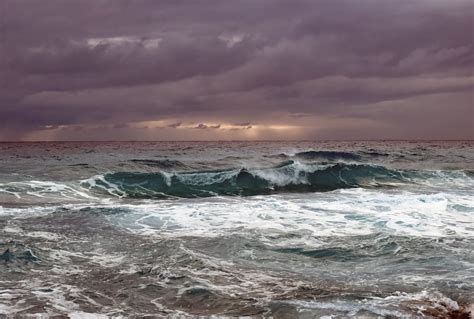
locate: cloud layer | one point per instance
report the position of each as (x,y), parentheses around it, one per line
(244,69)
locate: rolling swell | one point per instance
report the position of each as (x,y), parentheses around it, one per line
(328,155)
(166,163)
(289,176)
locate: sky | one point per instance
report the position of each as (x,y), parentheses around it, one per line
(236,69)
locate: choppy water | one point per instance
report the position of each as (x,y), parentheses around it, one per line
(261,229)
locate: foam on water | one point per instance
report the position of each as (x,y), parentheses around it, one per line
(339,213)
(399,305)
(289,176)
(43,189)
(302,229)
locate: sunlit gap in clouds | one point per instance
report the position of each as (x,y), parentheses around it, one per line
(156,130)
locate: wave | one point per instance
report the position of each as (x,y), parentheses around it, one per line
(166,163)
(328,155)
(332,155)
(289,176)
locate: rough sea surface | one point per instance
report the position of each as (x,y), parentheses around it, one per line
(225,229)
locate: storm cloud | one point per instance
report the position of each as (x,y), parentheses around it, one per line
(243,69)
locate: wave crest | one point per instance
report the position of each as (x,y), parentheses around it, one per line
(289,176)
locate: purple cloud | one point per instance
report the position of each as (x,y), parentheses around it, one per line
(376,64)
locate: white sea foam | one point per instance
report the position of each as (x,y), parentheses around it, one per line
(44,189)
(86,315)
(298,174)
(26,212)
(414,304)
(339,213)
(99,181)
(202,178)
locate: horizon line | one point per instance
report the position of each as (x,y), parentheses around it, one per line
(214,141)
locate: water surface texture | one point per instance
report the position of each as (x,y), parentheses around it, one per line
(255,229)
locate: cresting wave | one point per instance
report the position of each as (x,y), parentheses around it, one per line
(289,176)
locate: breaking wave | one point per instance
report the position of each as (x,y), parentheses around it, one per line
(289,176)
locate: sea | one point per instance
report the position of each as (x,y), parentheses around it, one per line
(300,229)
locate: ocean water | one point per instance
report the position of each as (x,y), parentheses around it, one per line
(226,229)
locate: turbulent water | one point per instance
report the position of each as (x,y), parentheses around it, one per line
(261,229)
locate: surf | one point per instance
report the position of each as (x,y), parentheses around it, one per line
(289,176)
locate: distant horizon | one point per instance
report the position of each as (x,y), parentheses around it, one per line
(240,141)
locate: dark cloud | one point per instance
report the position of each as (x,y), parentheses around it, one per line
(202,126)
(379,64)
(175,125)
